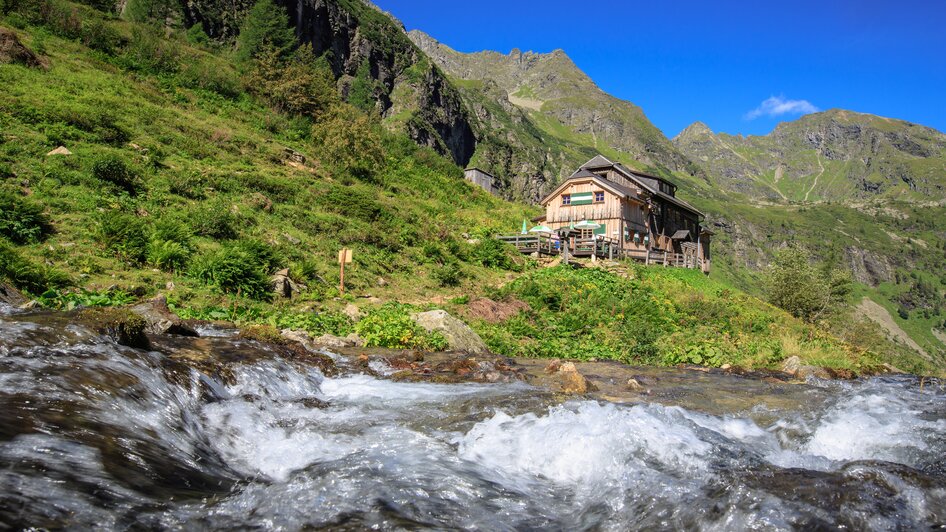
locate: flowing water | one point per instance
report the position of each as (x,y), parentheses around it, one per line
(93,434)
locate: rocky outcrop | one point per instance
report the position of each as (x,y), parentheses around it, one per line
(354,33)
(13,51)
(460,337)
(552,85)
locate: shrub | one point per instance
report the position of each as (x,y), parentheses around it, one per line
(22,221)
(350,202)
(210,74)
(149,51)
(26,275)
(240,268)
(214,220)
(449,274)
(197,36)
(123,234)
(492,253)
(794,284)
(349,141)
(302,86)
(265,25)
(167,255)
(391,326)
(112,169)
(149,10)
(99,35)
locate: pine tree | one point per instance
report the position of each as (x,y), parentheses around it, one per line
(265,26)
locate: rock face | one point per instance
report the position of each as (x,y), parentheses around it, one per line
(13,51)
(406,83)
(460,337)
(517,88)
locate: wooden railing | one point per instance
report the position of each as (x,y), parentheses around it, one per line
(603,248)
(532,243)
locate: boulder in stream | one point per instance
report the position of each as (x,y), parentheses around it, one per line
(160,320)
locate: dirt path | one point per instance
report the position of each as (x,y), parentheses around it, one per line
(815,184)
(879,315)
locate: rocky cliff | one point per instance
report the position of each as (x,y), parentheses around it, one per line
(561,102)
(363,43)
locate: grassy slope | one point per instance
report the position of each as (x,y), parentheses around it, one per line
(199,151)
(221,153)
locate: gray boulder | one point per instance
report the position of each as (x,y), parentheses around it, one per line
(460,337)
(160,320)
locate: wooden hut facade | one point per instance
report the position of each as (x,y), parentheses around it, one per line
(638,213)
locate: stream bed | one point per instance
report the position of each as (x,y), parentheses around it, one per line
(97,435)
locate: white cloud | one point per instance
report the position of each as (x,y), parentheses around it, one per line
(778,106)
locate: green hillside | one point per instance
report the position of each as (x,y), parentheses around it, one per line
(137,159)
(174,165)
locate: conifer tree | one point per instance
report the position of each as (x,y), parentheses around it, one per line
(265,26)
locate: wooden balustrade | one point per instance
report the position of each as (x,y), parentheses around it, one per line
(602,248)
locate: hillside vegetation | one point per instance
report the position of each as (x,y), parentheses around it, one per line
(137,159)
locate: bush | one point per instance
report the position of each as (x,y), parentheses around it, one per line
(123,234)
(302,86)
(240,268)
(794,284)
(197,36)
(210,74)
(149,51)
(168,255)
(112,169)
(391,326)
(215,221)
(351,202)
(21,221)
(99,35)
(492,253)
(28,276)
(449,274)
(349,141)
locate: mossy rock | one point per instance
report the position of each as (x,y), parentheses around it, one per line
(120,324)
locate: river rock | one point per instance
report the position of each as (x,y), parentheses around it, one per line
(573,382)
(11,296)
(160,320)
(460,337)
(794,367)
(330,340)
(121,324)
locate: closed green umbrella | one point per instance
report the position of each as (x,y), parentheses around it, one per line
(525,226)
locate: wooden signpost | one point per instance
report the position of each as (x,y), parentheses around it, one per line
(344,257)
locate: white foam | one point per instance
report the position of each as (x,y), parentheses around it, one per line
(873,427)
(586,444)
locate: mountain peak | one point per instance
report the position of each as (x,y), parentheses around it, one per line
(696,129)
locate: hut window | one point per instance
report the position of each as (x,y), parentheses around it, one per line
(599,197)
(566,199)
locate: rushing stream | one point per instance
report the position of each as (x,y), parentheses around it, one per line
(93,434)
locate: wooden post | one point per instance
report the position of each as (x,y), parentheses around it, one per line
(344,257)
(647,258)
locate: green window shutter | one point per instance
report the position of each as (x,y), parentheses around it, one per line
(603,230)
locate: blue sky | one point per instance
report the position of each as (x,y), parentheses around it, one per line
(740,67)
